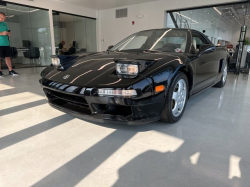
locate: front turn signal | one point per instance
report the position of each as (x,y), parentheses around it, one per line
(159,88)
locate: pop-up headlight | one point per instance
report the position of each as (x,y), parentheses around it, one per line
(127,69)
(56,62)
(131,68)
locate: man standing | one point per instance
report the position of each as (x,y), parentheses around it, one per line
(5,50)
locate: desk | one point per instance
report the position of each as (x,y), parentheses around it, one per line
(22,49)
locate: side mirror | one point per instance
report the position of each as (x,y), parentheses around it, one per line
(206,48)
(110,47)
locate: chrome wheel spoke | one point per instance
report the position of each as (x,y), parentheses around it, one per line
(179,97)
(181,104)
(180,86)
(175,96)
(175,110)
(224,74)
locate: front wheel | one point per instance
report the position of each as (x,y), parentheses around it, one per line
(176,99)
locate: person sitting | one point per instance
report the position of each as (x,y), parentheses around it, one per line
(61,44)
(61,48)
(71,51)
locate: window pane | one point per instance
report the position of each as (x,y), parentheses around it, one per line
(41,40)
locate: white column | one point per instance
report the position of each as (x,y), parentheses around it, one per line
(53,48)
(98,32)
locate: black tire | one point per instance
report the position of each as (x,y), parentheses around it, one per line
(167,114)
(222,83)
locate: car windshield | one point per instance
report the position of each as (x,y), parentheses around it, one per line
(154,40)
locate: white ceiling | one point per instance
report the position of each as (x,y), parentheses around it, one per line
(103,4)
(15,10)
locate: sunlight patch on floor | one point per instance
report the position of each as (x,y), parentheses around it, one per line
(5,87)
(195,158)
(18,99)
(23,119)
(54,148)
(234,167)
(136,146)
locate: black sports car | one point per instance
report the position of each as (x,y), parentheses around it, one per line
(146,77)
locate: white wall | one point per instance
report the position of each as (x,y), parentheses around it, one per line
(113,30)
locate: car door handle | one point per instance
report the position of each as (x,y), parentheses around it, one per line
(203,63)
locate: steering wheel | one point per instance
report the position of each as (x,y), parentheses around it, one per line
(170,47)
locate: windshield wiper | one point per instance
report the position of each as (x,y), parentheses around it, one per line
(152,51)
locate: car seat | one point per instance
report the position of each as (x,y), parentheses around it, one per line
(183,45)
(159,45)
(195,45)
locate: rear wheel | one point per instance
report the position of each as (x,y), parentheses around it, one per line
(176,99)
(223,79)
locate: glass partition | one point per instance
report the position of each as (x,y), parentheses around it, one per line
(30,39)
(74,34)
(40,30)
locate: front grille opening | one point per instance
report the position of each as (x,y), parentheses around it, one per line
(70,102)
(114,110)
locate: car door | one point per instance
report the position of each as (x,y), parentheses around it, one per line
(206,65)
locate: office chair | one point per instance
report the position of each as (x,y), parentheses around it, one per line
(33,53)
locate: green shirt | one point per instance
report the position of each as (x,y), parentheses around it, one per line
(4,40)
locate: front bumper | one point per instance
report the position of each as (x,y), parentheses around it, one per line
(102,109)
(104,118)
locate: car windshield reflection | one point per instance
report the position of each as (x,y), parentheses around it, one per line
(154,41)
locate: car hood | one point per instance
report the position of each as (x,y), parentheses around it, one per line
(98,70)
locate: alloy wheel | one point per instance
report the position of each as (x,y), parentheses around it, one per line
(179,97)
(224,74)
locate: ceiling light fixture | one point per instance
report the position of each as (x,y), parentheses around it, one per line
(20,10)
(217,10)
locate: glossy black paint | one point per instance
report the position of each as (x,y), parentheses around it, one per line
(67,87)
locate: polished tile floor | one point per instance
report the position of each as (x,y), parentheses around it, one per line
(40,146)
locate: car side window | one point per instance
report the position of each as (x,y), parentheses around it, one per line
(198,40)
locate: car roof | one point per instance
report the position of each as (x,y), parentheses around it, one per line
(172,29)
